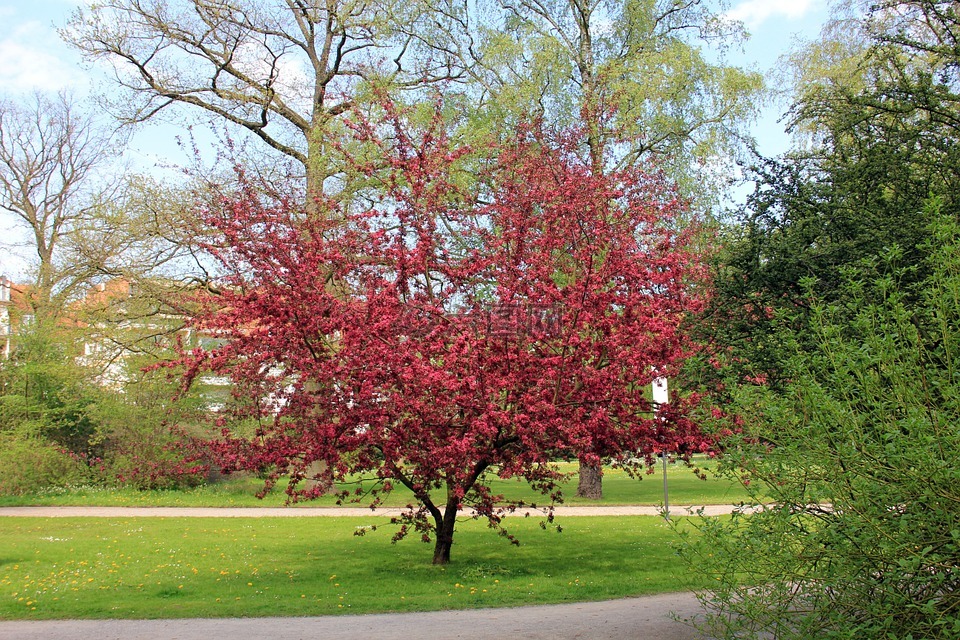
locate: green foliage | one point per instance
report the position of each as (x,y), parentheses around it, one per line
(632,73)
(45,396)
(28,464)
(877,108)
(63,423)
(858,456)
(141,448)
(44,422)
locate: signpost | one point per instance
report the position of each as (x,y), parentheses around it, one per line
(661,395)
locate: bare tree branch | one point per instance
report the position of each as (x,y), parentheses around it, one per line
(281,71)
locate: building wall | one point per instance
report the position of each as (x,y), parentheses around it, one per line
(5,327)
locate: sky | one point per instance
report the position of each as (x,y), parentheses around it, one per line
(34,58)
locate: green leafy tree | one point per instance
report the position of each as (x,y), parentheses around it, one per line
(877,113)
(856,461)
(836,316)
(877,103)
(634,73)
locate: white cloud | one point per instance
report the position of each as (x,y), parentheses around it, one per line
(755,12)
(29,61)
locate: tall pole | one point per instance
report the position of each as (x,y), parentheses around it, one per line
(661,395)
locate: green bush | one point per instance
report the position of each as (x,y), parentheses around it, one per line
(62,424)
(142,447)
(859,457)
(153,456)
(30,464)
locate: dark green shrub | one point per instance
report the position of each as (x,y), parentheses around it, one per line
(858,457)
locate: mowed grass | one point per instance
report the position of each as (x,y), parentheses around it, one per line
(207,567)
(685,488)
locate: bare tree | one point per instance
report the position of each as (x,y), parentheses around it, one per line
(50,153)
(283,70)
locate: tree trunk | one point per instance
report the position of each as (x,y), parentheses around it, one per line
(314,172)
(590,485)
(319,475)
(445,528)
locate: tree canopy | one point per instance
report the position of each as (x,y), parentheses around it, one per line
(876,114)
(286,73)
(635,73)
(50,154)
(491,325)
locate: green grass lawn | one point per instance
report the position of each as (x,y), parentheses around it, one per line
(200,567)
(618,489)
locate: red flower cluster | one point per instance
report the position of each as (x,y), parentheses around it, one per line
(485,315)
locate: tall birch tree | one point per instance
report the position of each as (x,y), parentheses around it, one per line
(637,77)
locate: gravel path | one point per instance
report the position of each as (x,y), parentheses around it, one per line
(660,617)
(306,512)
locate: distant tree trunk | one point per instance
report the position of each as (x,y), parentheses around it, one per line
(315,171)
(591,481)
(319,476)
(445,528)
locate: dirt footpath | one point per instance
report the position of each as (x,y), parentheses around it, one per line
(659,617)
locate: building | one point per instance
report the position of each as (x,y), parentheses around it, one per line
(126,326)
(118,327)
(14,312)
(5,328)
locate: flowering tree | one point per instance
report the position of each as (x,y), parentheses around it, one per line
(480,317)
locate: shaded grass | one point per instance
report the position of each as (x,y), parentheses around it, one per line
(207,567)
(618,489)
